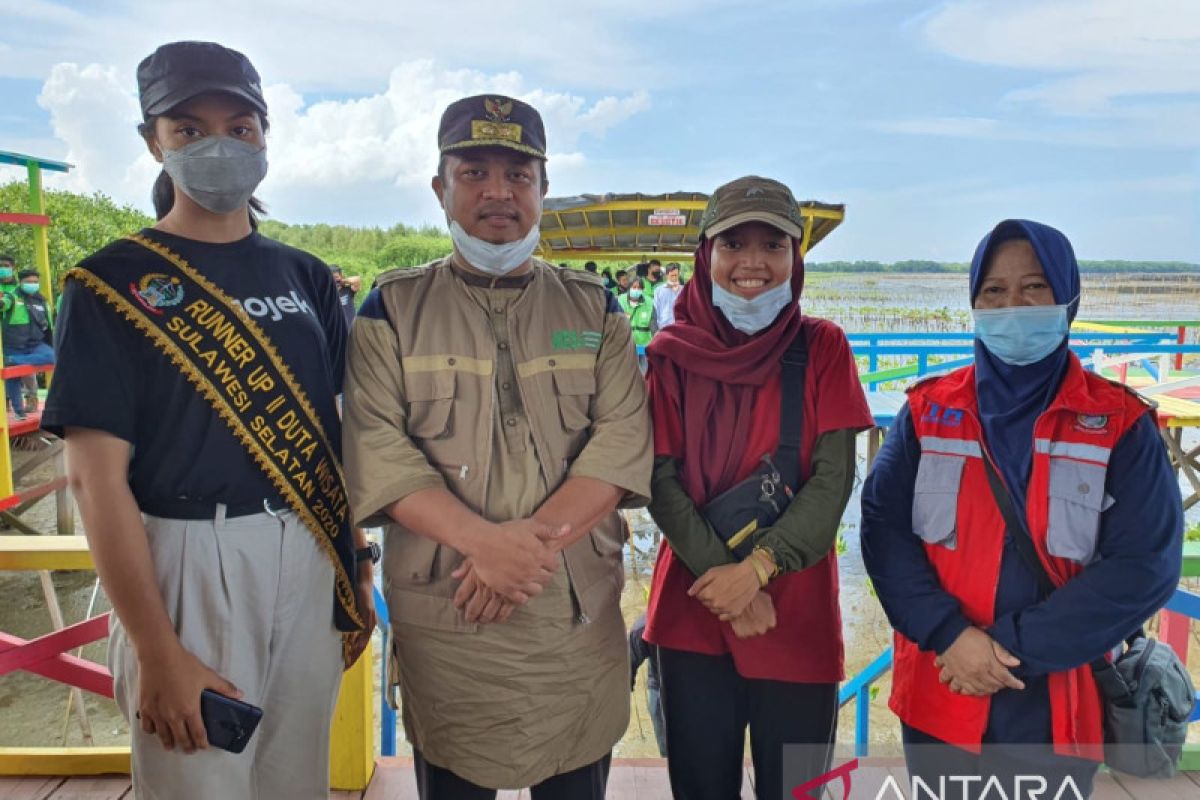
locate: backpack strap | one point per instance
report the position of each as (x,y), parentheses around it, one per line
(791,409)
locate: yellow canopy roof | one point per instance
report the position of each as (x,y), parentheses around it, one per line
(635,227)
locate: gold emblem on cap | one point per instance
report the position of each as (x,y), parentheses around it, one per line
(498,110)
(507,131)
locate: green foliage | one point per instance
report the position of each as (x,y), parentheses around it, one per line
(1192,534)
(79,226)
(363,251)
(82,224)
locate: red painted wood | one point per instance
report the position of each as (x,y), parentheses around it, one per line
(67,669)
(34,651)
(20,427)
(74,671)
(41,490)
(1174,629)
(24,219)
(21,370)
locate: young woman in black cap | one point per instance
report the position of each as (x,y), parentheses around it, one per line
(198,368)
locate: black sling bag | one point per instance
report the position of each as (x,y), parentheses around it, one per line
(1147,693)
(758,501)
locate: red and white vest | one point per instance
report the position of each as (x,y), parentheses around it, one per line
(956,515)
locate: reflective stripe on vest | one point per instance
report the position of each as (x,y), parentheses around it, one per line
(962,533)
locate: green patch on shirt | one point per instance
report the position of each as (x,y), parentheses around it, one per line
(576,340)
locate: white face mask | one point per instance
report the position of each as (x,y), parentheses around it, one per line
(751,316)
(494,259)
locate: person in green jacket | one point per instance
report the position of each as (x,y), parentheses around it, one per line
(25,330)
(8,274)
(637,305)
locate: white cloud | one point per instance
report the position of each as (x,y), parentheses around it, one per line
(1094,73)
(351,46)
(92,111)
(388,137)
(1097,52)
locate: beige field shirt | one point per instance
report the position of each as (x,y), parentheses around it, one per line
(499,390)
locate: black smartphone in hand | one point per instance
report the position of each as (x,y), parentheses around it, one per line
(228,723)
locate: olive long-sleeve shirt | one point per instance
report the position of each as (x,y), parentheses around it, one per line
(803,534)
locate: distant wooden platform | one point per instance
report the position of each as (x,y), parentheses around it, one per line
(631,779)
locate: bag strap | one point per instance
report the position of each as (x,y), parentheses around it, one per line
(1023,541)
(1016,528)
(791,409)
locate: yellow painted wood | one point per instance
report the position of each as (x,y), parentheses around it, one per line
(352,750)
(41,235)
(64,760)
(1184,413)
(44,552)
(6,479)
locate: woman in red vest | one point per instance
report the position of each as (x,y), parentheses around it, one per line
(982,655)
(749,638)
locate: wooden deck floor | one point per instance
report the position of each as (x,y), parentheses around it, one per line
(631,779)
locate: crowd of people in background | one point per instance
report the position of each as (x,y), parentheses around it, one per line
(647,295)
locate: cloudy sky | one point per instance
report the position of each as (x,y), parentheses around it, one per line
(930,121)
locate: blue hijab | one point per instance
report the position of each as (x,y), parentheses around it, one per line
(1012,398)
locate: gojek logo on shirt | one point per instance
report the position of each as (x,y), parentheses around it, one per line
(273,308)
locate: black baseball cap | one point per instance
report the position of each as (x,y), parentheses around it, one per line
(28,273)
(177,72)
(492,120)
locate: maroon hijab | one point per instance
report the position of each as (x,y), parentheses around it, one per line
(718,369)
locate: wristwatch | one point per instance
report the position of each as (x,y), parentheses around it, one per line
(372,552)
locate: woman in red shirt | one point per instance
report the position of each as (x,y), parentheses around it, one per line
(750,636)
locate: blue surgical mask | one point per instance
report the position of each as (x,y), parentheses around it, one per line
(6,273)
(1021,335)
(635,294)
(30,288)
(752,315)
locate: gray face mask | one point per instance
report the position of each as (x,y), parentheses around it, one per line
(218,172)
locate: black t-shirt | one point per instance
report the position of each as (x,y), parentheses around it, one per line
(346,298)
(109,376)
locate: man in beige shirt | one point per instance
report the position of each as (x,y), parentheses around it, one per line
(495,419)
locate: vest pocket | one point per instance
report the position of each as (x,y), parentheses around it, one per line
(935,498)
(430,398)
(1076,500)
(573,390)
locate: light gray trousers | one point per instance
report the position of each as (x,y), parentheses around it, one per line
(251,597)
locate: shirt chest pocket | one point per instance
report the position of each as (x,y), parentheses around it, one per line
(1076,501)
(430,404)
(573,390)
(935,498)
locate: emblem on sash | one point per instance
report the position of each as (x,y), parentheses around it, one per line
(157,291)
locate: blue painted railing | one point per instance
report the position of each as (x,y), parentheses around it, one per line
(387,716)
(858,688)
